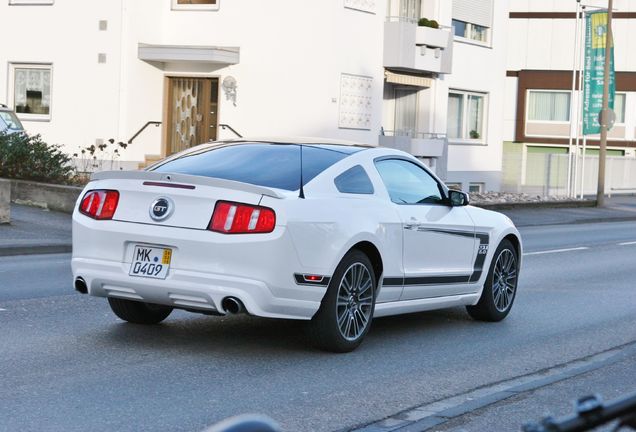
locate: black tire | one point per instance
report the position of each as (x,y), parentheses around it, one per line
(139,312)
(324,329)
(496,300)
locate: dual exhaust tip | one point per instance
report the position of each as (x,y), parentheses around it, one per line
(230,305)
(80,285)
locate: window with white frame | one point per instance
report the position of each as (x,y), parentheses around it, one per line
(31,2)
(466,112)
(471,31)
(30,90)
(472,19)
(476,187)
(619,107)
(548,106)
(195,4)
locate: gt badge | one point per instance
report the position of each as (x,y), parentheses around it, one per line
(483,249)
(161,208)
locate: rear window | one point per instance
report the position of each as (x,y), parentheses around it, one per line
(262,164)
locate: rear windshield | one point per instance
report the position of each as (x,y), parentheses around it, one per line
(262,164)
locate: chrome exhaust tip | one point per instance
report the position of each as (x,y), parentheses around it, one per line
(232,305)
(80,286)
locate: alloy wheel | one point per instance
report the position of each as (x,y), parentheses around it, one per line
(504,280)
(355,301)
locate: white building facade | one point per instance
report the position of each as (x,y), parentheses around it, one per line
(542,111)
(360,70)
(456,95)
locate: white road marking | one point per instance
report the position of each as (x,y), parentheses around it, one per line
(556,251)
(627,243)
(2,309)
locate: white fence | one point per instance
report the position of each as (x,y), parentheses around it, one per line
(546,174)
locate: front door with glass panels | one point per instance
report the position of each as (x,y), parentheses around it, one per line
(192,112)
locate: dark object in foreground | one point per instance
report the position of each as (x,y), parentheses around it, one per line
(245,423)
(591,412)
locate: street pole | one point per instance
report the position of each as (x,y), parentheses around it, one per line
(600,192)
(574,124)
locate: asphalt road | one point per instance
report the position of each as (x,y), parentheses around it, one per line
(66,362)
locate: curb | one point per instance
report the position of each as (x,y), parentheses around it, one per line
(35,249)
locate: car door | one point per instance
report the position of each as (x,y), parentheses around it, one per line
(438,240)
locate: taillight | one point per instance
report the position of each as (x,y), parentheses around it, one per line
(237,218)
(99,204)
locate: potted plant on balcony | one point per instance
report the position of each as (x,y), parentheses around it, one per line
(425,22)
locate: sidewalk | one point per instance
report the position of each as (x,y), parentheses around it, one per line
(617,208)
(36,231)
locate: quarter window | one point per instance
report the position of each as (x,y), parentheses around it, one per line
(408,183)
(465,118)
(354,181)
(31,91)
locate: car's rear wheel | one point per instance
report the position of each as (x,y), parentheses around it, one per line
(500,287)
(345,315)
(139,312)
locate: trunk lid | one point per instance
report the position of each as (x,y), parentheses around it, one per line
(189,200)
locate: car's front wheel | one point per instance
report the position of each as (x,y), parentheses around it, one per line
(345,315)
(500,287)
(138,312)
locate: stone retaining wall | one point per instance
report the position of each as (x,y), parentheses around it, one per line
(5,201)
(52,197)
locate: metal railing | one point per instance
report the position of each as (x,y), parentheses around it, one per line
(403,19)
(412,134)
(156,123)
(226,126)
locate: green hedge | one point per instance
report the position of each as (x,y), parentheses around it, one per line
(29,158)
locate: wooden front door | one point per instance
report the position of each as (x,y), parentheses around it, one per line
(192,112)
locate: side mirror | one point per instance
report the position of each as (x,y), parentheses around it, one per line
(458,198)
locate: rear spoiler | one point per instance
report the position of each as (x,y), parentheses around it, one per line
(188,179)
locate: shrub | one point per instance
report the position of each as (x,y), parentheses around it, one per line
(29,158)
(425,22)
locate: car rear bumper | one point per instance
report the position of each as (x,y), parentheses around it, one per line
(189,290)
(206,267)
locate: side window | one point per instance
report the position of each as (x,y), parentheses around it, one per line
(408,183)
(354,181)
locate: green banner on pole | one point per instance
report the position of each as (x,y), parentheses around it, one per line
(595,38)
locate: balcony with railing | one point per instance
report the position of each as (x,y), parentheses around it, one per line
(419,144)
(415,48)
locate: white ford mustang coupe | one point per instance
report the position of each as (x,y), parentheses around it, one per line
(327,232)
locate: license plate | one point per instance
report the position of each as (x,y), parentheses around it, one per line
(150,262)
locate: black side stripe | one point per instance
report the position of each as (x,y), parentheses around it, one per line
(482,251)
(478,265)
